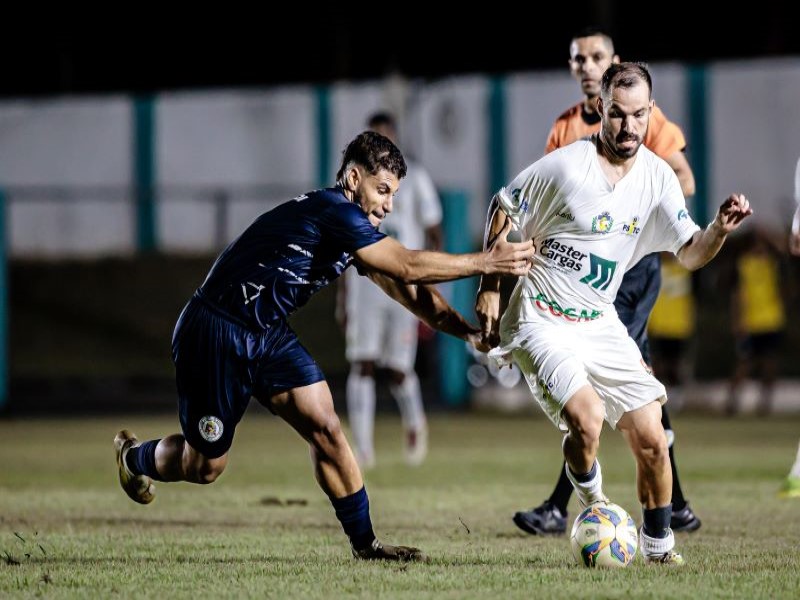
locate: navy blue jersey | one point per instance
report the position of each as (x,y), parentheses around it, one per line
(636,297)
(287,255)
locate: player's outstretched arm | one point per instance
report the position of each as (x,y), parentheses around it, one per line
(487,303)
(705,244)
(391,258)
(429,305)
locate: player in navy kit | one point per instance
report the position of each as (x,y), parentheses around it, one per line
(232,340)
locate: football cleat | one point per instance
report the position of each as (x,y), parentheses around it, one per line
(139,488)
(684,520)
(670,558)
(545,519)
(378,551)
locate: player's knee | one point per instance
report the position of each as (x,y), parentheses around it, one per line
(327,431)
(653,448)
(587,426)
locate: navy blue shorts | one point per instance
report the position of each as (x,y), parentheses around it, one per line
(636,297)
(220,364)
(757,345)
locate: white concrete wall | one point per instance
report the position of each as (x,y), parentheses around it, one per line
(79,143)
(261,146)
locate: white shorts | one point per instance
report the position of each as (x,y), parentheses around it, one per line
(558,359)
(378,328)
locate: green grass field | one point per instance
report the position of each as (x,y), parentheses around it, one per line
(265,530)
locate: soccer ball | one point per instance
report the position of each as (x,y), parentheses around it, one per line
(604,535)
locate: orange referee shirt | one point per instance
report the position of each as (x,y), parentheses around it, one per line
(663,137)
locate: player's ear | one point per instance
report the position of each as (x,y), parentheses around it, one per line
(352,178)
(615,58)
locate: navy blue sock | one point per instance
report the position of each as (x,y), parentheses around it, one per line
(656,521)
(353,513)
(584,477)
(561,495)
(142,460)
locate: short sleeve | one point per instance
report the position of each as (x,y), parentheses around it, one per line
(670,226)
(348,227)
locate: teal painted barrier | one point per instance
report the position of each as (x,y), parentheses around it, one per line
(698,150)
(3,304)
(144,170)
(453,356)
(324,137)
(498,161)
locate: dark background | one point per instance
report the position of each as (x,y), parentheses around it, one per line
(148,51)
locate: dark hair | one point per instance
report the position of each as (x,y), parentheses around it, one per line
(624,75)
(595,32)
(381,119)
(373,152)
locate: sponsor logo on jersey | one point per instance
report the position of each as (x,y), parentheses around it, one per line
(682,214)
(544,304)
(547,388)
(601,272)
(566,215)
(562,255)
(602,223)
(523,206)
(631,228)
(211,428)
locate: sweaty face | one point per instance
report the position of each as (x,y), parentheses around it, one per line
(589,58)
(624,119)
(374,193)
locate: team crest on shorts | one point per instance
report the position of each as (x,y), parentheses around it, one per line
(211,428)
(602,223)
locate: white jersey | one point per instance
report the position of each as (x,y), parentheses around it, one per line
(378,328)
(416,207)
(587,232)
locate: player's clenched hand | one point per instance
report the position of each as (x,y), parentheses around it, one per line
(487,307)
(508,258)
(732,212)
(794,244)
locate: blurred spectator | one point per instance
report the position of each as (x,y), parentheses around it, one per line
(794,236)
(379,331)
(758,318)
(671,327)
(791,485)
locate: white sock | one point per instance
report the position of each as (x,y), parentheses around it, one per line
(361,413)
(590,491)
(795,472)
(651,546)
(408,396)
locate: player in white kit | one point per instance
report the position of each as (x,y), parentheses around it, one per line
(593,208)
(380,335)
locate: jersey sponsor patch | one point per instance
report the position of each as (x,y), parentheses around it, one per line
(632,228)
(580,315)
(602,223)
(601,272)
(211,428)
(562,255)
